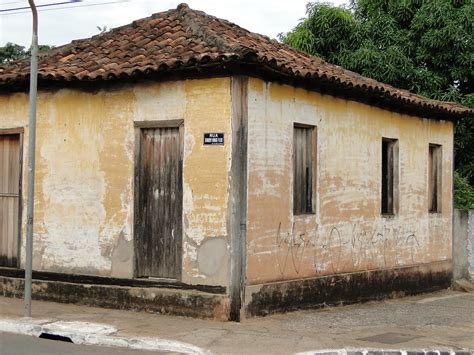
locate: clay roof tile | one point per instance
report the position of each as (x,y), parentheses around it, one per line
(181,37)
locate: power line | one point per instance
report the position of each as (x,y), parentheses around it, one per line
(66,7)
(11,2)
(44,5)
(18,2)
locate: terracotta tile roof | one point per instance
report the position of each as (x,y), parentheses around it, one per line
(182,38)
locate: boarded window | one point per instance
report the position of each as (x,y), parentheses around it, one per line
(389,198)
(304,158)
(434,178)
(10,171)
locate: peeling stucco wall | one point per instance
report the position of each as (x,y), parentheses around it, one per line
(84,207)
(347,232)
(84,175)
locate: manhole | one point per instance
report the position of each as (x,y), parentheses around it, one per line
(57,337)
(389,338)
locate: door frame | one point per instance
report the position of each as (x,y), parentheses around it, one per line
(138,127)
(20,132)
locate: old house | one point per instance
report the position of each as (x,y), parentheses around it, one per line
(188,166)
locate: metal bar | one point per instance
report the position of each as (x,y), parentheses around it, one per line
(31,160)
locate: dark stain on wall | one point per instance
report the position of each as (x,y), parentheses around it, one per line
(111,281)
(163,301)
(264,299)
(347,288)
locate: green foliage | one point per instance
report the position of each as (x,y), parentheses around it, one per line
(425,46)
(463,192)
(42,48)
(422,45)
(12,51)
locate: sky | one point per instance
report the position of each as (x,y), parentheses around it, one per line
(63,23)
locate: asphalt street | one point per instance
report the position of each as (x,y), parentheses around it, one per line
(14,344)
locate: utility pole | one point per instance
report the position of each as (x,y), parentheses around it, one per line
(31,160)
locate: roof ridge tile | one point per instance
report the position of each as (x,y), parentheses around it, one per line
(190,18)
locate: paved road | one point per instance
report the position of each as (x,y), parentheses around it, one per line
(14,344)
(441,320)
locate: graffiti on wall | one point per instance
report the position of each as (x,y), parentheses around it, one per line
(346,246)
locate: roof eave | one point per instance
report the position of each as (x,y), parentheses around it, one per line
(325,85)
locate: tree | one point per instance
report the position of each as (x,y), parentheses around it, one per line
(464,193)
(12,51)
(425,46)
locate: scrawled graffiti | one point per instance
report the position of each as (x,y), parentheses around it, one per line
(343,247)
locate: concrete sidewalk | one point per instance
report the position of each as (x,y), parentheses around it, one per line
(438,321)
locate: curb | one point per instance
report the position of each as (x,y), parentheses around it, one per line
(86,333)
(370,351)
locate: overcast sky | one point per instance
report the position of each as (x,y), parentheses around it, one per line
(63,23)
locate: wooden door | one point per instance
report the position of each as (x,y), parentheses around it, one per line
(159,196)
(9,199)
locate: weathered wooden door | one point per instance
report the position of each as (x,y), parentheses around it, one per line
(159,196)
(9,199)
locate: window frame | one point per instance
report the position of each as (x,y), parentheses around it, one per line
(393,177)
(435,151)
(314,169)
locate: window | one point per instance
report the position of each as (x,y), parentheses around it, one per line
(434,178)
(389,176)
(304,167)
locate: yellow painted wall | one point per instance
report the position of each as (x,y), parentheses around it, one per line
(84,181)
(84,209)
(347,233)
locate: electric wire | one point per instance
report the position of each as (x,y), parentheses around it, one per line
(18,2)
(65,7)
(43,5)
(11,2)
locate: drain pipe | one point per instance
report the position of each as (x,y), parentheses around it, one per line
(31,160)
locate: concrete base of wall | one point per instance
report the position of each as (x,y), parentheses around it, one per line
(346,288)
(260,299)
(190,303)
